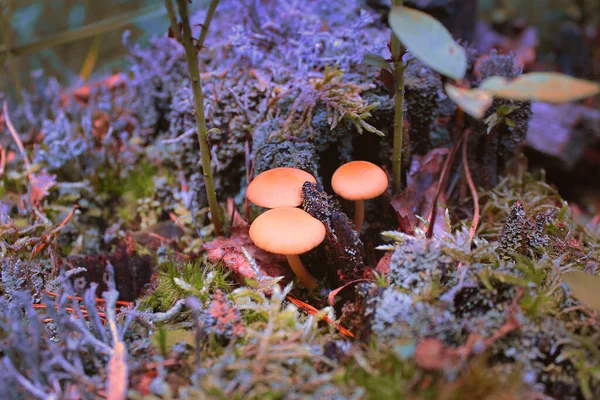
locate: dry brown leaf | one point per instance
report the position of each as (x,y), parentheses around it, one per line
(40,184)
(383,266)
(229,252)
(417,197)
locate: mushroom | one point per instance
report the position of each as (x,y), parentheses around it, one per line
(278,187)
(359,181)
(289,231)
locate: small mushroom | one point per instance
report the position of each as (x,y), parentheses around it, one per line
(359,181)
(289,231)
(278,187)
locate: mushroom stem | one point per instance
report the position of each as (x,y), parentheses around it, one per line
(359,214)
(305,277)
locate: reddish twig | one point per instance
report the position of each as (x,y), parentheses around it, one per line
(45,239)
(17,139)
(313,311)
(98,300)
(472,187)
(441,184)
(2,160)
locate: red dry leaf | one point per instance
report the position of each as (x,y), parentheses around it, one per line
(233,213)
(405,205)
(335,292)
(388,80)
(229,252)
(417,197)
(40,184)
(383,266)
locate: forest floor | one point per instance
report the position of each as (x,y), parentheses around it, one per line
(113,280)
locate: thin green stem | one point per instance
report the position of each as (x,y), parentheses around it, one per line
(397,54)
(192,62)
(173,20)
(209,15)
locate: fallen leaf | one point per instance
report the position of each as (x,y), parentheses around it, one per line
(229,252)
(383,266)
(335,292)
(234,214)
(40,184)
(417,197)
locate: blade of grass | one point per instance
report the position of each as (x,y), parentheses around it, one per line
(91,59)
(83,32)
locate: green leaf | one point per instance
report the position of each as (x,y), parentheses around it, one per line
(474,102)
(505,110)
(550,87)
(377,61)
(166,339)
(585,288)
(429,41)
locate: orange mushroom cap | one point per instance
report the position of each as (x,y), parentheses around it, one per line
(359,180)
(278,187)
(287,230)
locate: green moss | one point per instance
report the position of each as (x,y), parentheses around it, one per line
(382,373)
(139,181)
(175,282)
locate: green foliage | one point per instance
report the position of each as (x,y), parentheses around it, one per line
(533,277)
(429,41)
(137,183)
(377,61)
(381,371)
(500,117)
(164,339)
(341,100)
(194,278)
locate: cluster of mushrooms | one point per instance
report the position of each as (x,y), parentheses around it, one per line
(288,230)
